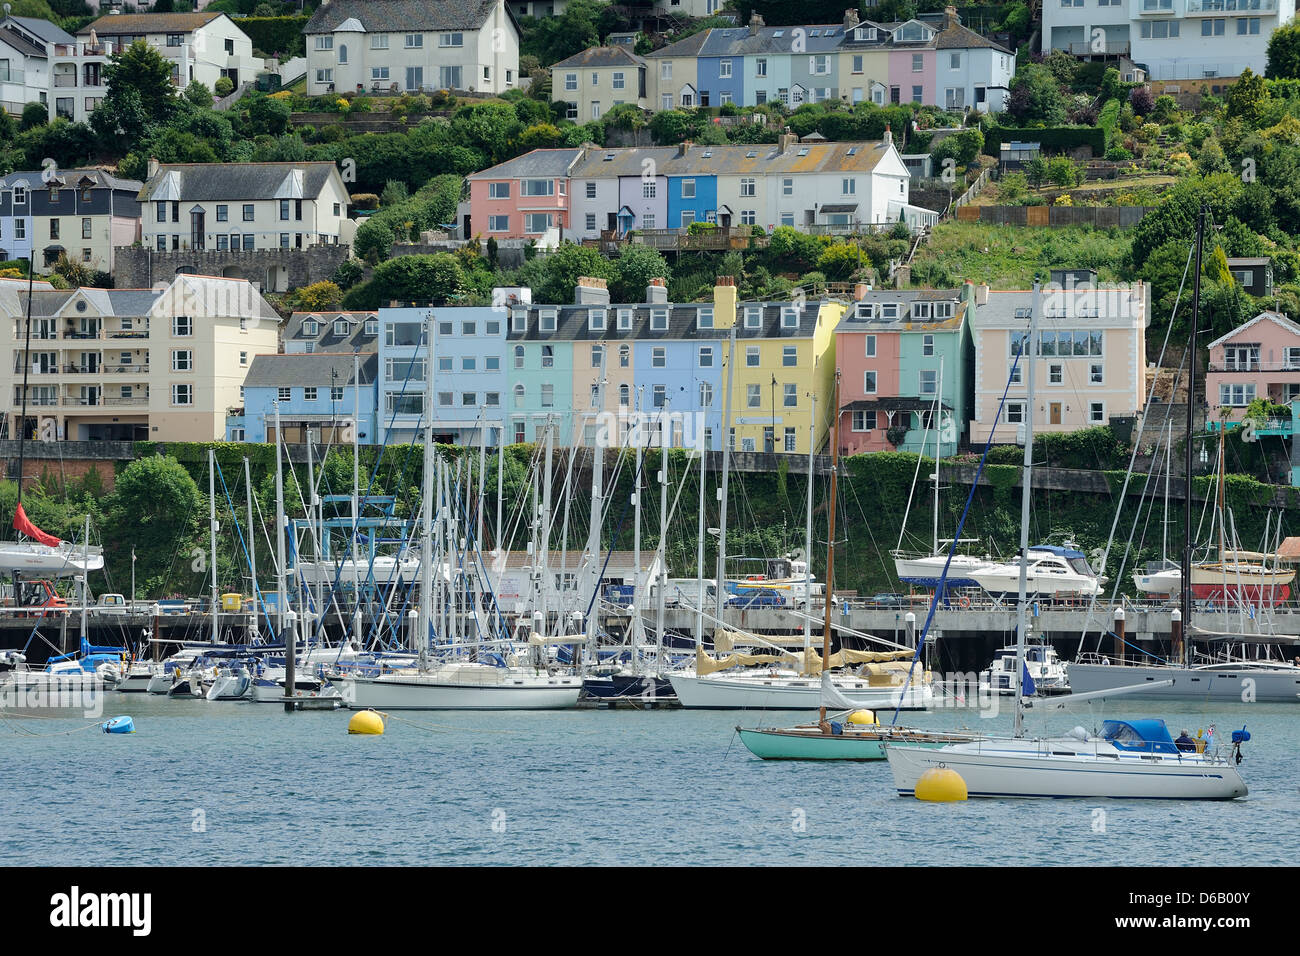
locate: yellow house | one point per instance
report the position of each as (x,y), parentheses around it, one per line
(782,361)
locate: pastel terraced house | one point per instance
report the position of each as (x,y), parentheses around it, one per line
(900,352)
(523,198)
(597,79)
(1091,359)
(1260,359)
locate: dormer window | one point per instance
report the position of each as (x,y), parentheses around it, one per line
(920,310)
(519,320)
(704,318)
(889,310)
(340,326)
(789,317)
(943,310)
(311,327)
(20,195)
(596,319)
(624,320)
(753,317)
(658,320)
(546,320)
(865,310)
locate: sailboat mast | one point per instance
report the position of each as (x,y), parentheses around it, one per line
(212,537)
(636,552)
(830,537)
(661,559)
(699,548)
(356,492)
(27,368)
(1029,354)
(1186,575)
(807,532)
(938,452)
(721,596)
(427,492)
(252,541)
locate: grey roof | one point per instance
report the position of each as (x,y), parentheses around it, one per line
(100,178)
(47,31)
(21,44)
(761,158)
(571,323)
(539,162)
(689,46)
(1249,261)
(326,338)
(131,24)
(319,369)
(600,56)
(186,182)
(957,37)
(737,41)
(852,322)
(398,16)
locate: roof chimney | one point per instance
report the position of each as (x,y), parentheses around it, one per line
(850,19)
(785,140)
(656,293)
(591,291)
(860,291)
(153,167)
(755,24)
(982,294)
(683,148)
(889,136)
(950,18)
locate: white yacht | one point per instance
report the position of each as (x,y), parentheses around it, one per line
(462,685)
(1054,572)
(1041,661)
(786,689)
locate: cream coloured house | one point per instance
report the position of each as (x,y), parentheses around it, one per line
(244,206)
(131,364)
(597,79)
(412,45)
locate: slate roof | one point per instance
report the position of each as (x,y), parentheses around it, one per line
(737,41)
(72,178)
(44,29)
(767,158)
(320,369)
(327,340)
(403,16)
(21,44)
(689,46)
(597,57)
(547,163)
(185,182)
(131,24)
(571,324)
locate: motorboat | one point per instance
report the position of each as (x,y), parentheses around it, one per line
(1053,572)
(1042,663)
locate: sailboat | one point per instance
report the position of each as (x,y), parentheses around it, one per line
(1127,759)
(790,682)
(925,570)
(1178,678)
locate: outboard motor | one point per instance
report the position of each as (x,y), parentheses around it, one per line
(1239,737)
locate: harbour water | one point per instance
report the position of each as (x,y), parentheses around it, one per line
(203,783)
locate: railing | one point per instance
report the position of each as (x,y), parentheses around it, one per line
(1107,49)
(13,76)
(1231,6)
(1255,367)
(129,334)
(62,80)
(132,400)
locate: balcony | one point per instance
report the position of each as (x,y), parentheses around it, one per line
(135,400)
(1253,367)
(1110,49)
(12,76)
(1210,8)
(1153,8)
(64,80)
(128,334)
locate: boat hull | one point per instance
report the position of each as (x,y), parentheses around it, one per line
(807,743)
(1258,595)
(992,772)
(1275,685)
(721,693)
(416,692)
(926,571)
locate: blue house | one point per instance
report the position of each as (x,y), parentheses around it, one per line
(318,394)
(469,375)
(692,199)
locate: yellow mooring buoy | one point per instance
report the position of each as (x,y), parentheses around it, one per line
(940,785)
(366,722)
(865,717)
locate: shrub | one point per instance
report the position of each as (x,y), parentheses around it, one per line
(224,86)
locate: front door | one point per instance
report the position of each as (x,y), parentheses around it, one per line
(1054,414)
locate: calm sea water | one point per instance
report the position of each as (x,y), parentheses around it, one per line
(578,787)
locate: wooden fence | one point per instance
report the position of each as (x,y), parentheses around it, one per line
(1099,217)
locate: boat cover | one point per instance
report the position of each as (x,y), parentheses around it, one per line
(23,525)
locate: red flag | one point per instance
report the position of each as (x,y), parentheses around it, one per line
(23,525)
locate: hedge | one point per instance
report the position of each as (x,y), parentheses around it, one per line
(276,35)
(1108,120)
(1052,137)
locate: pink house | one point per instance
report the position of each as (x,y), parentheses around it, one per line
(912,71)
(522,198)
(1260,359)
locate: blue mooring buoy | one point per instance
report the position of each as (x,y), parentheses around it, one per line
(119,725)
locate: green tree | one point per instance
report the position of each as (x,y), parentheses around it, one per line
(35,114)
(155,508)
(1246,97)
(562,269)
(1036,97)
(434,279)
(268,115)
(318,296)
(142,70)
(199,95)
(637,265)
(1284,53)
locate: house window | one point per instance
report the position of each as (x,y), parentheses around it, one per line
(548,356)
(379,41)
(498,190)
(537,222)
(1236,396)
(706,356)
(658,357)
(618,83)
(754,396)
(498,223)
(591,222)
(918,63)
(548,396)
(928,382)
(751,356)
(182,394)
(753,316)
(182,360)
(790,356)
(520,396)
(324,43)
(324,76)
(870,346)
(182,326)
(1096,413)
(624,356)
(864,421)
(706,395)
(598,356)
(309,393)
(869,383)
(1056,374)
(570,82)
(791,395)
(658,320)
(336,393)
(415,41)
(546,320)
(596,319)
(748,217)
(1241,358)
(748,187)
(724,69)
(790,439)
(648,189)
(625,395)
(519,356)
(789,317)
(1014,413)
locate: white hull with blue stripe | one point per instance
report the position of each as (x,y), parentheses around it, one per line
(1080,766)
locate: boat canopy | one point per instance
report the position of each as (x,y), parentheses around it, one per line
(1149,735)
(1060,552)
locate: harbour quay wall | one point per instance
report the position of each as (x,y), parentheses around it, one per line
(66,460)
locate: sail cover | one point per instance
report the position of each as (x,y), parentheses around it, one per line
(23,525)
(832,699)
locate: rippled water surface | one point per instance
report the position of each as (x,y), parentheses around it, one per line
(579,787)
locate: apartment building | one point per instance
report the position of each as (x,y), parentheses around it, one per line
(130,364)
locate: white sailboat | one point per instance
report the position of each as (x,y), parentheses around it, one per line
(1127,759)
(1052,572)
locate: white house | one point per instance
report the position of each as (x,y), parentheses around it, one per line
(392,45)
(1171,39)
(201,46)
(244,206)
(27,45)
